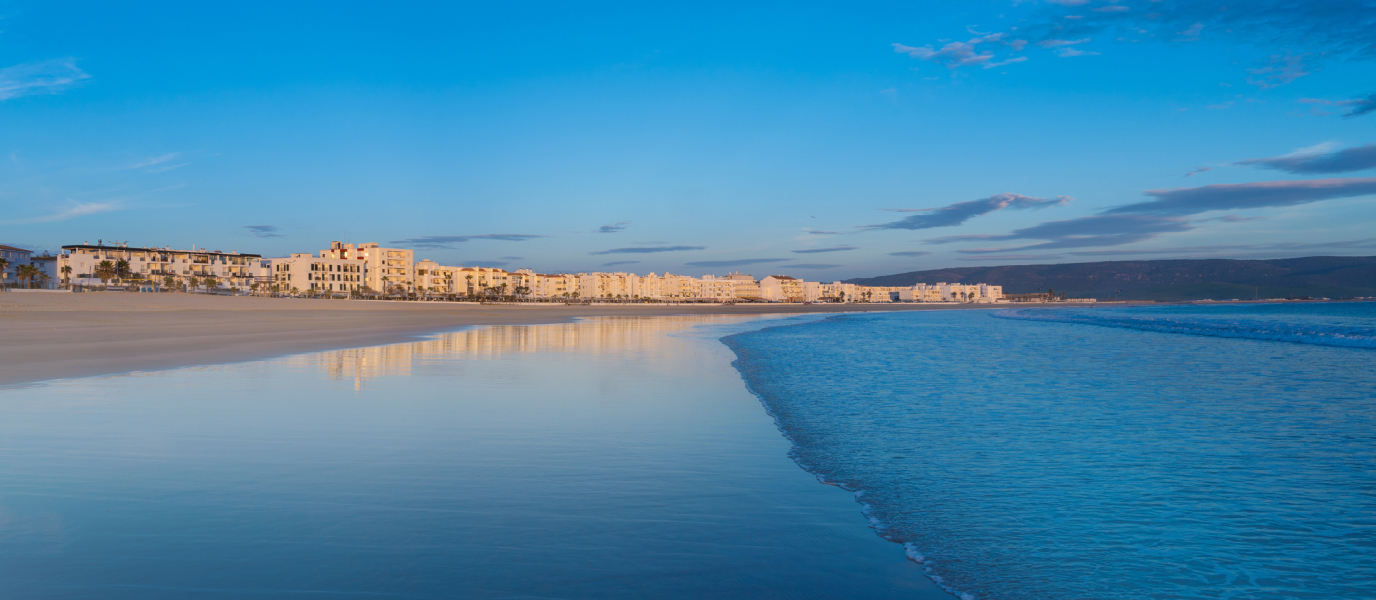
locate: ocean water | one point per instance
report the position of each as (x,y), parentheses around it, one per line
(1196,452)
(613,458)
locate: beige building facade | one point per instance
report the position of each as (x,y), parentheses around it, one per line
(320,274)
(229,269)
(386,269)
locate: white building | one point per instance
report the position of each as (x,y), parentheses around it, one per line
(159,266)
(387,269)
(781,288)
(321,274)
(14,258)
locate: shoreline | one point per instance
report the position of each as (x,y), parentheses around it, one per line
(59,336)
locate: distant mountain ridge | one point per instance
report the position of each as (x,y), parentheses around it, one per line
(1192,279)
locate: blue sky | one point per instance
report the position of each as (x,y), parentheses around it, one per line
(821,141)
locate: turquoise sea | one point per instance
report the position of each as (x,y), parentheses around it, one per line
(1210,452)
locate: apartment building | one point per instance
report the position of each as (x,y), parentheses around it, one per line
(47,265)
(434,278)
(781,288)
(714,289)
(230,269)
(321,274)
(476,281)
(385,269)
(14,258)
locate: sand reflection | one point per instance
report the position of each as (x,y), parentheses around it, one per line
(599,335)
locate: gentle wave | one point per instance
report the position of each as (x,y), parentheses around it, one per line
(1252,329)
(1024,474)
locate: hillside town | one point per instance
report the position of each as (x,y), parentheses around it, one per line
(372,271)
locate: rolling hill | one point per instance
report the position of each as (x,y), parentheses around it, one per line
(1168,280)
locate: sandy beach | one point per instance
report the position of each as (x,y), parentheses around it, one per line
(64,336)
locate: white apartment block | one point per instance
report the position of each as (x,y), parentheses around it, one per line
(386,269)
(230,269)
(434,278)
(14,258)
(321,274)
(781,288)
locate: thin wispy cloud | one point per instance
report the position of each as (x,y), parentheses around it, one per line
(1361,106)
(648,249)
(264,231)
(1073,52)
(1357,107)
(1281,69)
(1091,231)
(1234,250)
(954,55)
(819,232)
(1199,170)
(164,168)
(1231,219)
(910,253)
(511,257)
(1238,196)
(960,212)
(1296,33)
(736,263)
(993,257)
(1318,160)
(44,77)
(613,228)
(822,250)
(1166,213)
(71,211)
(812,266)
(620,262)
(149,162)
(440,242)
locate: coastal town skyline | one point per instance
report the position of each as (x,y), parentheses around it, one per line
(900,137)
(372,271)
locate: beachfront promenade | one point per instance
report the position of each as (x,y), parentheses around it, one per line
(372,271)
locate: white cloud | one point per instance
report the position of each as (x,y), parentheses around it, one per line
(156,160)
(44,77)
(1060,43)
(76,209)
(1072,52)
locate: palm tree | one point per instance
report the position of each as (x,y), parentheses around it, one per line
(26,274)
(66,274)
(43,279)
(4,264)
(122,269)
(168,281)
(105,271)
(211,283)
(253,288)
(194,282)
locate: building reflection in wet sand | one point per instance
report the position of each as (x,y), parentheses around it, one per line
(590,336)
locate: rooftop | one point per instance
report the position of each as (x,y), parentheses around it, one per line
(128,248)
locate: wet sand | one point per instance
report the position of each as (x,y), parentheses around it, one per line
(64,336)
